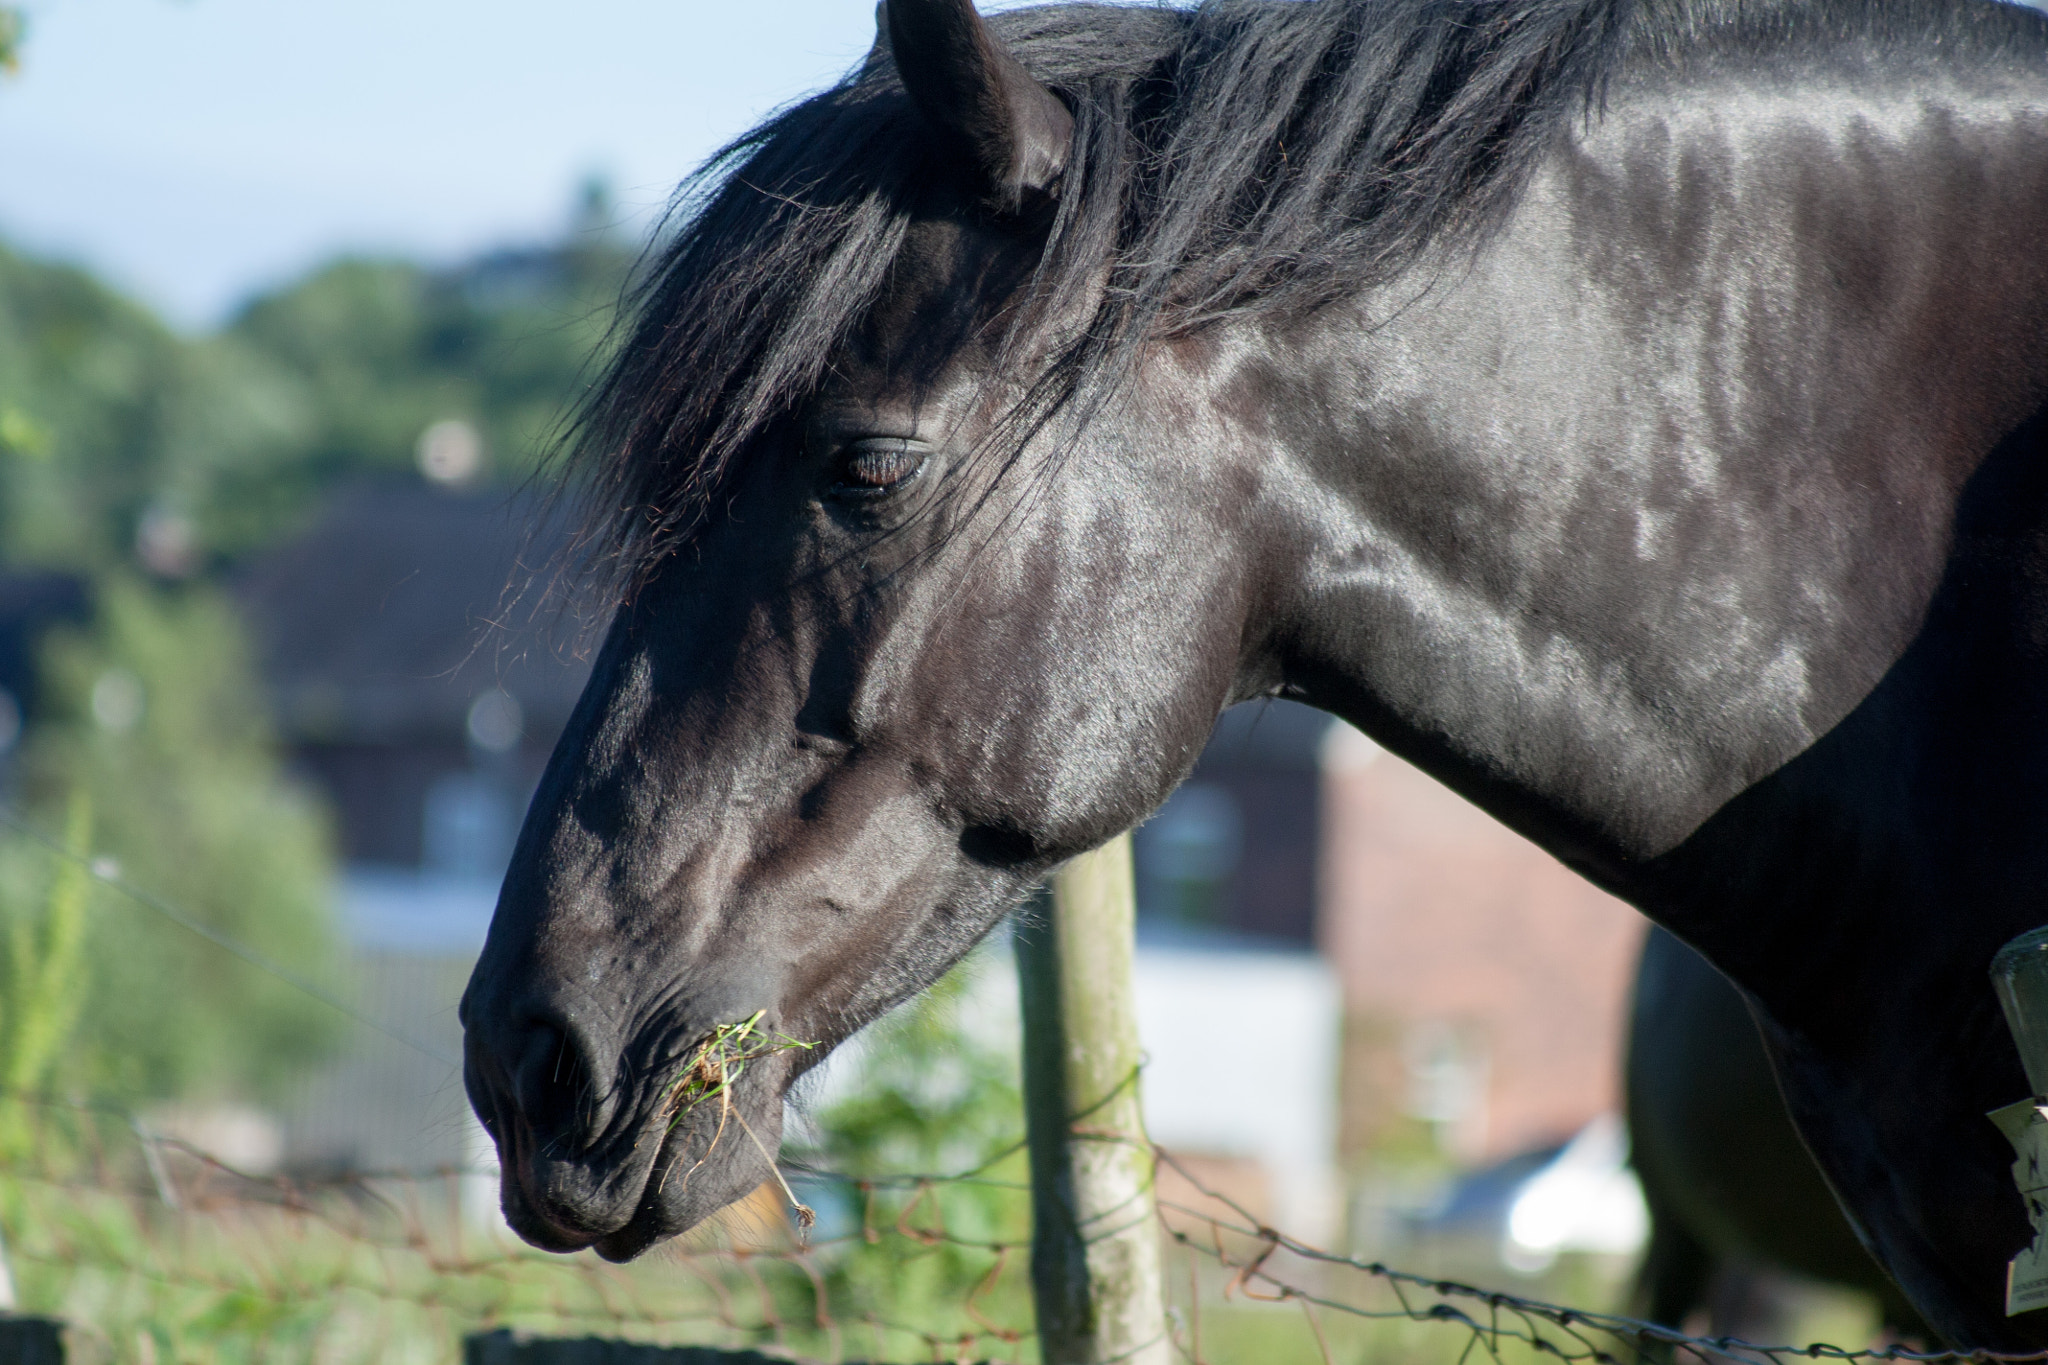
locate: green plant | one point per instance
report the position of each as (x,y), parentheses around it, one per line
(156,722)
(716,1066)
(721,1059)
(937,1260)
(46,978)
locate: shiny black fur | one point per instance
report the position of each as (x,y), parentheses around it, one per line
(1632,414)
(1234,160)
(1731,1190)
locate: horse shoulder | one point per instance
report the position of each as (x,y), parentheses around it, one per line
(1649,494)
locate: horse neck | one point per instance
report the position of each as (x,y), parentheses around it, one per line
(1613,520)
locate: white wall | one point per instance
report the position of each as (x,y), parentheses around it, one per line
(1241,1059)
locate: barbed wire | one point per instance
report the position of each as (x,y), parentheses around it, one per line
(106,869)
(392,1262)
(1494,1316)
(89,1221)
(124,1229)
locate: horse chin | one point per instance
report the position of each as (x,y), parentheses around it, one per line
(542,1235)
(680,1193)
(523,1214)
(636,1237)
(566,1207)
(653,1176)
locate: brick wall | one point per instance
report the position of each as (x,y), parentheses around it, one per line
(1467,956)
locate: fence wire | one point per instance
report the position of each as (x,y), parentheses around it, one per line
(1266,1265)
(156,1251)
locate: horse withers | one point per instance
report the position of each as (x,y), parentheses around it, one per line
(1629,411)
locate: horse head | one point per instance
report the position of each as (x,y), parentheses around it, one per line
(893,663)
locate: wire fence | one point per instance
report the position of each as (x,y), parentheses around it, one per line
(155,1249)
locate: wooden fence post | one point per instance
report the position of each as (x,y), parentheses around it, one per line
(1095,1264)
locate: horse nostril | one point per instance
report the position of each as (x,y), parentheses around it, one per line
(555,1085)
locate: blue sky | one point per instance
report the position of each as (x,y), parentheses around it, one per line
(192,151)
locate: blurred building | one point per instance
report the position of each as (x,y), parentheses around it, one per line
(1478,987)
(1370,961)
(1239,1016)
(31,602)
(1234,850)
(31,605)
(412,688)
(411,681)
(1485,984)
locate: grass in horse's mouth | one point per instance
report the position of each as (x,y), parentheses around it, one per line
(714,1069)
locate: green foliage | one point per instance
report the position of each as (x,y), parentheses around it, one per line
(160,726)
(110,421)
(722,1059)
(934,1098)
(44,971)
(85,377)
(931,1095)
(373,352)
(10,37)
(107,415)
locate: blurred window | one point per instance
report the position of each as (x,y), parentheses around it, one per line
(469,826)
(1187,853)
(1447,1082)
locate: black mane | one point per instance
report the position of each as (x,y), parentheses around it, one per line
(1243,156)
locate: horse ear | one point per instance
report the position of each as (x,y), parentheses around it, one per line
(1013,133)
(880,47)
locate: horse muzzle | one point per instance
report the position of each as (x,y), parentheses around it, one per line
(586,1162)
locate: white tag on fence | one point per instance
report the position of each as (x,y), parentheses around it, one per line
(2025,1125)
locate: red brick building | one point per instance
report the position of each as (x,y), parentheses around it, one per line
(1485,984)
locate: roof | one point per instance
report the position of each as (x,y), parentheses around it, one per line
(388,617)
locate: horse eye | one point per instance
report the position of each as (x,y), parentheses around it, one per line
(874,467)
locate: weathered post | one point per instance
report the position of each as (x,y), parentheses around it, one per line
(1095,1239)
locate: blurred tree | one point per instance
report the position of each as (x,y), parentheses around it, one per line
(84,376)
(375,352)
(10,37)
(158,731)
(107,419)
(110,423)
(930,1093)
(147,463)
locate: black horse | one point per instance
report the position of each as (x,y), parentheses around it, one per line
(1629,411)
(1731,1191)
